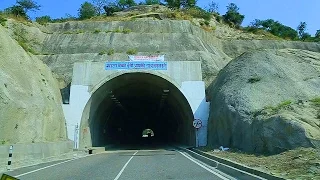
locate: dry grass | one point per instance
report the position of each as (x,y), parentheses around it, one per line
(301,163)
(17,18)
(266,35)
(109,18)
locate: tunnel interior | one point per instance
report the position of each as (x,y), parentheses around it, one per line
(123,107)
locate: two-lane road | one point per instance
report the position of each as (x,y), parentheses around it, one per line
(124,165)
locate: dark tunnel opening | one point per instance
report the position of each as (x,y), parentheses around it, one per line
(122,108)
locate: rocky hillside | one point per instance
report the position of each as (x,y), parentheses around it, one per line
(30,101)
(263,92)
(267,101)
(59,45)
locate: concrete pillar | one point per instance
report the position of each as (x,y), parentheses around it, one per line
(79,97)
(194,91)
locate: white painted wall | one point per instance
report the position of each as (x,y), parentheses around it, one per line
(194,91)
(79,97)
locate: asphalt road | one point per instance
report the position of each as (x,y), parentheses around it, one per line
(124,165)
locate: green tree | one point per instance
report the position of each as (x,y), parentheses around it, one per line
(301,29)
(17,11)
(150,2)
(233,16)
(28,5)
(274,27)
(213,7)
(99,4)
(188,3)
(43,20)
(87,10)
(173,3)
(126,3)
(317,35)
(307,37)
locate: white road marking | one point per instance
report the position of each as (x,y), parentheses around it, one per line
(118,176)
(204,167)
(51,166)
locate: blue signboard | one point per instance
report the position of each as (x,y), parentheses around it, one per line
(116,65)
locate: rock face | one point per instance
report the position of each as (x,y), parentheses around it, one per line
(30,101)
(260,102)
(70,42)
(63,44)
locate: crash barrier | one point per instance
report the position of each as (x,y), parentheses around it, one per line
(10,158)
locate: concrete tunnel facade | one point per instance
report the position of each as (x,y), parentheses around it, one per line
(115,107)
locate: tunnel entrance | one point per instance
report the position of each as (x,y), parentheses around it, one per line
(123,107)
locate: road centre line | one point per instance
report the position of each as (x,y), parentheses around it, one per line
(204,167)
(118,176)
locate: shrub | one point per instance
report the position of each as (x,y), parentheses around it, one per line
(110,52)
(150,2)
(80,31)
(132,51)
(284,104)
(316,101)
(68,32)
(254,80)
(2,20)
(43,20)
(279,106)
(218,18)
(126,31)
(101,53)
(27,48)
(208,28)
(64,19)
(96,31)
(273,27)
(197,12)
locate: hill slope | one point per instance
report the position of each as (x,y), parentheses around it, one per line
(266,101)
(30,101)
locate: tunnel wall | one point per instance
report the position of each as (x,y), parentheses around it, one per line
(93,74)
(88,77)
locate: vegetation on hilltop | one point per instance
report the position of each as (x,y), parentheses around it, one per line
(178,9)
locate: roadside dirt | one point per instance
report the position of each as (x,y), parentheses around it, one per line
(301,163)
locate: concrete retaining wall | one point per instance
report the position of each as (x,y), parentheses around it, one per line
(29,154)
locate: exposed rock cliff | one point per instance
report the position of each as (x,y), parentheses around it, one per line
(30,101)
(266,101)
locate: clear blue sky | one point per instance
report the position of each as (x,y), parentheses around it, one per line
(288,12)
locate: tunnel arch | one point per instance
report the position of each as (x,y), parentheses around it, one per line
(119,73)
(125,103)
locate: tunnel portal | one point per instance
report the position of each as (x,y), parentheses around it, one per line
(121,108)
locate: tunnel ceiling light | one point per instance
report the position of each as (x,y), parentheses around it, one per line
(166,90)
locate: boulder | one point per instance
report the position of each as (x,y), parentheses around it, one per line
(265,101)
